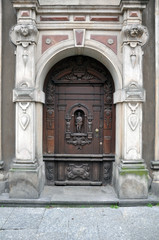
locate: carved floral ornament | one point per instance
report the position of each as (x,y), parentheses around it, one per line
(24,34)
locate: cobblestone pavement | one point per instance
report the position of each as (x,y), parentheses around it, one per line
(82,223)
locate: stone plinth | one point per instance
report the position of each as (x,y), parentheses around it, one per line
(25,183)
(132,181)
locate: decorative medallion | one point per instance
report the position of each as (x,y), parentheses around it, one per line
(24,118)
(24,121)
(133,121)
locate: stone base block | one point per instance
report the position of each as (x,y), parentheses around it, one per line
(3,186)
(25,183)
(155,187)
(132,183)
(3,182)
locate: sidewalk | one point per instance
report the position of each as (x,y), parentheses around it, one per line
(100,223)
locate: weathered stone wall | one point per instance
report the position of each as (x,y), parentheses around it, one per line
(8,82)
(149,85)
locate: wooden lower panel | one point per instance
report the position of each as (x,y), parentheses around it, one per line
(78,173)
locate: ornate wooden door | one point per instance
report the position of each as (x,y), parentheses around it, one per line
(79,123)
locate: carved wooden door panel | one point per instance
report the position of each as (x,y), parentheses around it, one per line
(79,122)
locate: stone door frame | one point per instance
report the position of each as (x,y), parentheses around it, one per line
(36,54)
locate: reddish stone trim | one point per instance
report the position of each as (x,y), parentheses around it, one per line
(79,37)
(108,40)
(105,19)
(64,18)
(133,14)
(50,40)
(25,14)
(79,18)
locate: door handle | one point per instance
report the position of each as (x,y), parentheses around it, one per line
(96,132)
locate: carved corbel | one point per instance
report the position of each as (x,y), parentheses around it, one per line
(24,34)
(27,94)
(134,35)
(132,93)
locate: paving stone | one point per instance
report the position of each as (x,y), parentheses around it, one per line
(24,218)
(18,234)
(83,224)
(52,236)
(54,220)
(130,223)
(4,215)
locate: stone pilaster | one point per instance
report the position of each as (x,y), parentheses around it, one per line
(132,180)
(155,163)
(26,176)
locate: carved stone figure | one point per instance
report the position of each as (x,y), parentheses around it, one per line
(79,122)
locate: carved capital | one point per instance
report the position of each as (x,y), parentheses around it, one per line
(25,93)
(132,93)
(135,34)
(24,34)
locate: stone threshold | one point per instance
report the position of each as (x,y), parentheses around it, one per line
(71,196)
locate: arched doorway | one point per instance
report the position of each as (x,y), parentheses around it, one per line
(79,123)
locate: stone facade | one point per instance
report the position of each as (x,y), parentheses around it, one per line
(116,35)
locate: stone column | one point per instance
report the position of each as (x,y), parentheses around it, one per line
(155,163)
(26,176)
(132,181)
(2,174)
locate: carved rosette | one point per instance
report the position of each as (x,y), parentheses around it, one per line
(24,34)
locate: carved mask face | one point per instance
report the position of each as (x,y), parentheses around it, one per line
(24,30)
(134,32)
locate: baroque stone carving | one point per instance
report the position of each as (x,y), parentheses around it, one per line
(24,93)
(135,34)
(133,119)
(132,93)
(24,117)
(81,171)
(24,34)
(133,58)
